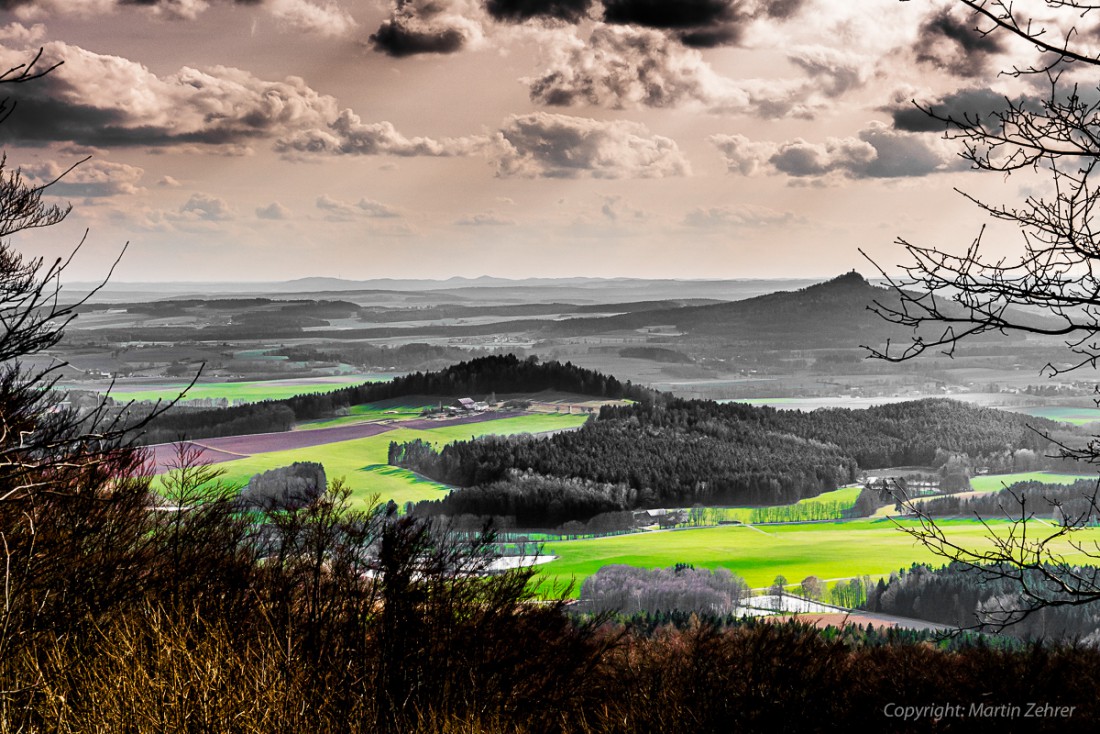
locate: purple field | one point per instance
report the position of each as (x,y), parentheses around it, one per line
(229,448)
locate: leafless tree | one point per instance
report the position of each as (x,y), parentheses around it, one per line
(73,486)
(1052,130)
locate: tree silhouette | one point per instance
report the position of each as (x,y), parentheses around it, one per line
(1050,288)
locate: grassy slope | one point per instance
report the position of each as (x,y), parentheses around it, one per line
(997,482)
(362,462)
(826,550)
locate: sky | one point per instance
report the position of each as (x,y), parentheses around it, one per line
(256,140)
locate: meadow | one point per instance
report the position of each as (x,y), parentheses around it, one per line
(250,392)
(997,482)
(829,550)
(1078,416)
(362,462)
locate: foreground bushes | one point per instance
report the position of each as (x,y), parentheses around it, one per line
(154,671)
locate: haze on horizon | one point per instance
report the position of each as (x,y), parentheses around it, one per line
(268,140)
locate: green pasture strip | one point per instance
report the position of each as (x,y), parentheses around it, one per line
(247,391)
(362,461)
(827,550)
(844,498)
(1063,414)
(997,482)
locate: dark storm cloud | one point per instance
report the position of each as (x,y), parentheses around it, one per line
(669,14)
(427,27)
(162,3)
(971,103)
(711,37)
(782,9)
(517,11)
(698,23)
(954,45)
(393,38)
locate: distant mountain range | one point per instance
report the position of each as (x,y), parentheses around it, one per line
(837,312)
(457,290)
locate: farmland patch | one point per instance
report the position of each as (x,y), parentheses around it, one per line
(837,550)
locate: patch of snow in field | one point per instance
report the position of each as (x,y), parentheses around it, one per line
(506,563)
(759,606)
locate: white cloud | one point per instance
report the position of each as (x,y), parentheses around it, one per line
(349,135)
(328,20)
(543,145)
(627,67)
(17,34)
(274,211)
(342,211)
(205,207)
(487,219)
(878,151)
(94,178)
(745,215)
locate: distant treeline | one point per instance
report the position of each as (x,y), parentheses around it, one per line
(175,425)
(1071,504)
(677,453)
(500,373)
(961,596)
(405,356)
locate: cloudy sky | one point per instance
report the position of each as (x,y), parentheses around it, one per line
(275,139)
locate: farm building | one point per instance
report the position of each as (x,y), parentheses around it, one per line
(469,405)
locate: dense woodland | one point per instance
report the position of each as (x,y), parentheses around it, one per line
(963,596)
(678,453)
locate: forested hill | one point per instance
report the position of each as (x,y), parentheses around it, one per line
(680,452)
(835,313)
(918,432)
(476,377)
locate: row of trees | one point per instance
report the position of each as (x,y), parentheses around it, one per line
(629,590)
(1073,505)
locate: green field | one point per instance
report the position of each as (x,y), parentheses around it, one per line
(845,497)
(828,550)
(242,391)
(362,462)
(997,482)
(1063,414)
